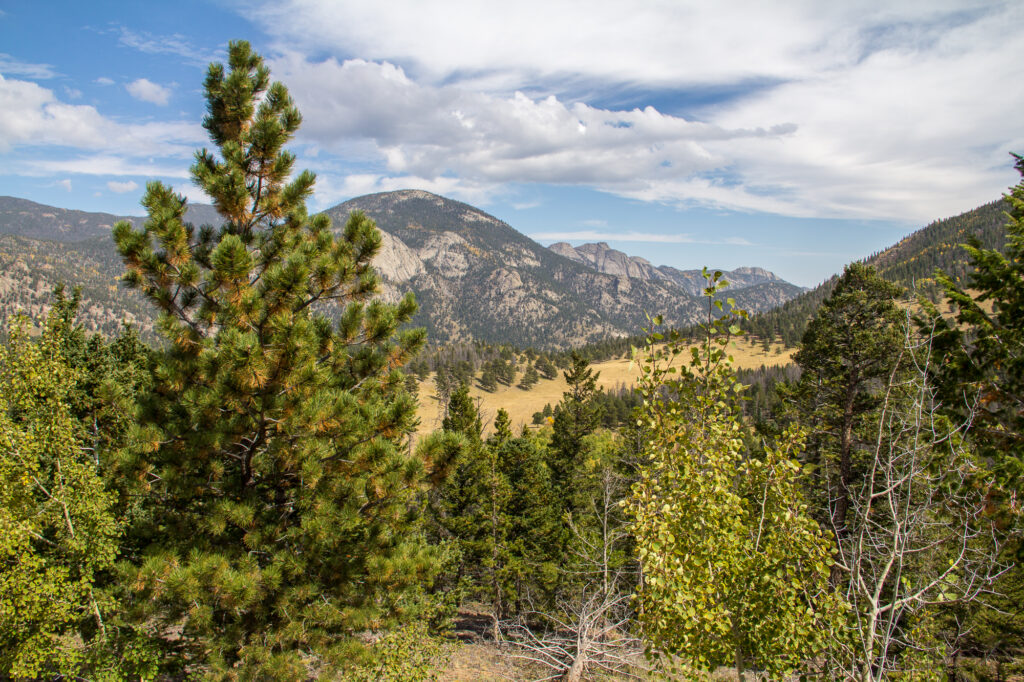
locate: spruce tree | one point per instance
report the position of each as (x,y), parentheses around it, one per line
(277,428)
(578,415)
(848,355)
(981,375)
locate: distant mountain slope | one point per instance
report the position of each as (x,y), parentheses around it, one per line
(911,263)
(610,261)
(42,246)
(24,218)
(477,278)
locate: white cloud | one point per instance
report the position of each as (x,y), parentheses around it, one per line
(103,80)
(148,91)
(72,93)
(103,164)
(122,187)
(31,115)
(175,44)
(438,134)
(868,109)
(65,183)
(683,42)
(331,189)
(12,66)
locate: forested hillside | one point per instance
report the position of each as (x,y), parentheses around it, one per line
(911,263)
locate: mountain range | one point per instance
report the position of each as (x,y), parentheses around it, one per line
(475,277)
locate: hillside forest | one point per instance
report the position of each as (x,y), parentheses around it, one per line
(245,491)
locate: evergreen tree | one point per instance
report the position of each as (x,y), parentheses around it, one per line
(848,355)
(982,368)
(462,415)
(469,508)
(530,378)
(278,452)
(489,378)
(546,368)
(502,428)
(578,415)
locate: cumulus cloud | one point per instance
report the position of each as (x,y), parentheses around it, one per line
(440,133)
(31,115)
(65,183)
(122,187)
(865,110)
(148,91)
(103,80)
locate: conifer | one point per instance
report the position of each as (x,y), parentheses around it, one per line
(279,422)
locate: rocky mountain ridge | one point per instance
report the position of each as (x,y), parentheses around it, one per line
(475,277)
(478,278)
(611,261)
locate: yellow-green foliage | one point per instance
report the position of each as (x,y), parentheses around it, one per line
(57,531)
(735,570)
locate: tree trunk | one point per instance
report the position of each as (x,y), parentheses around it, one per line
(845,479)
(737,650)
(575,673)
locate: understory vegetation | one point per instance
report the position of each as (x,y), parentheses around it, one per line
(250,500)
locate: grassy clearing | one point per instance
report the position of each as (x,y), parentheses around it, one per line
(747,352)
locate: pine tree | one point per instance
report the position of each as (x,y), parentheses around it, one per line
(982,368)
(469,508)
(278,451)
(848,355)
(578,415)
(502,428)
(530,378)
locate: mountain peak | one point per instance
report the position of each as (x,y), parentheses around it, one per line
(605,259)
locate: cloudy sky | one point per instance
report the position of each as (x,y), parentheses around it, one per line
(791,135)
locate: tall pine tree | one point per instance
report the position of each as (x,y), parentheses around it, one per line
(278,424)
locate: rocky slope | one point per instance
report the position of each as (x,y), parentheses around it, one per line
(474,276)
(610,261)
(477,278)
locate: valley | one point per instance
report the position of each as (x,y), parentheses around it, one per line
(748,353)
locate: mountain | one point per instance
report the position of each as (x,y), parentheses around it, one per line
(610,261)
(475,277)
(24,218)
(42,246)
(911,263)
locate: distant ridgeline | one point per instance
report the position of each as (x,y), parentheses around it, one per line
(911,263)
(476,278)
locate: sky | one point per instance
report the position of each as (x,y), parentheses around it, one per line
(795,136)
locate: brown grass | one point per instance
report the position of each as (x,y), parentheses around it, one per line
(520,405)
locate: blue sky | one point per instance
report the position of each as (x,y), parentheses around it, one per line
(796,136)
